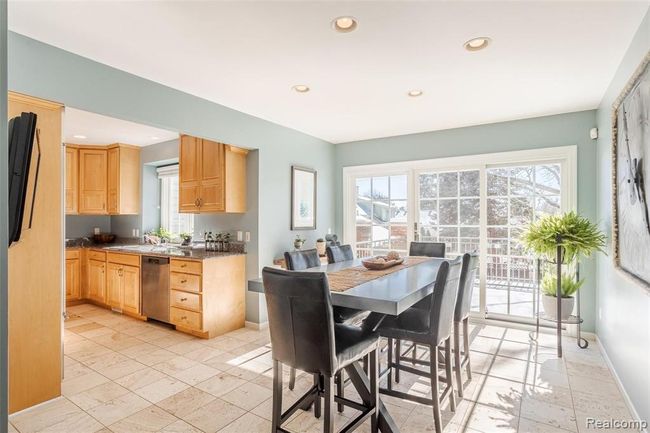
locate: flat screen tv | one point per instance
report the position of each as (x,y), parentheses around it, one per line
(21,141)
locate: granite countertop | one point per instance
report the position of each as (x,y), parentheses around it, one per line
(161,251)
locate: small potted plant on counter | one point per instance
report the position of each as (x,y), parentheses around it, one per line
(577,237)
(320,246)
(298,241)
(186,239)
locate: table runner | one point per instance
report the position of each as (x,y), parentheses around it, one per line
(345,279)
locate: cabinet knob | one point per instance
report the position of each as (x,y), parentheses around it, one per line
(183,281)
(183,299)
(184,265)
(196,202)
(184,318)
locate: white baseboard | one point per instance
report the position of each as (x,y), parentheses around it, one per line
(626,397)
(256,326)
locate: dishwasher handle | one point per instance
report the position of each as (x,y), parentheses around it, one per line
(156,260)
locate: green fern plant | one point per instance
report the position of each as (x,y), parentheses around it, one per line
(579,237)
(568,286)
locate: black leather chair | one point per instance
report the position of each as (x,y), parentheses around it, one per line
(430,328)
(468,274)
(428,249)
(304,336)
(340,253)
(299,260)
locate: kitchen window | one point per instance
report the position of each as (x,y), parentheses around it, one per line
(170,219)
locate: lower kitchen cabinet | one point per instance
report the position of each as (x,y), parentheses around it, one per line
(72,276)
(123,282)
(97,280)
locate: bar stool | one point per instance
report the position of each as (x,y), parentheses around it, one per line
(468,274)
(305,336)
(430,328)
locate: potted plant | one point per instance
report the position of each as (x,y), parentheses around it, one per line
(320,246)
(186,239)
(578,237)
(298,241)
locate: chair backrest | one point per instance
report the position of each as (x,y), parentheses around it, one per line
(341,253)
(468,274)
(444,299)
(300,260)
(300,319)
(429,249)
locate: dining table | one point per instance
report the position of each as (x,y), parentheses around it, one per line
(386,293)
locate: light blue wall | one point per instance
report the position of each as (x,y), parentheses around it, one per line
(77,226)
(623,307)
(45,71)
(550,131)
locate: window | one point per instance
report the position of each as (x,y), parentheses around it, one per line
(170,219)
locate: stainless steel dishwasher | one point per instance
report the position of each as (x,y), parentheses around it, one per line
(155,288)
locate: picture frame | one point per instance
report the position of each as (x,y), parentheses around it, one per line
(631,179)
(303,198)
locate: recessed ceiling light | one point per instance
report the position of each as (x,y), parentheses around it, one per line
(415,93)
(344,24)
(301,88)
(79,136)
(477,44)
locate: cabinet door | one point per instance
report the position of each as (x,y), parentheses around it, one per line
(71,180)
(131,287)
(212,192)
(92,181)
(72,274)
(114,289)
(113,180)
(96,280)
(189,176)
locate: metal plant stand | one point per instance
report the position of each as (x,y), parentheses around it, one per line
(573,319)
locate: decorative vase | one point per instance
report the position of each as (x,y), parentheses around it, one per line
(550,306)
(297,244)
(320,247)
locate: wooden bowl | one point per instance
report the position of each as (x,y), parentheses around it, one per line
(104,238)
(372,265)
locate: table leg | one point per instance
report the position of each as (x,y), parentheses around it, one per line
(362,385)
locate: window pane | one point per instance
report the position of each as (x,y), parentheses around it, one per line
(380,188)
(429,212)
(398,237)
(521,180)
(546,205)
(448,184)
(448,212)
(497,181)
(428,186)
(364,212)
(469,184)
(363,189)
(380,212)
(428,234)
(398,187)
(521,211)
(497,211)
(398,211)
(469,211)
(547,179)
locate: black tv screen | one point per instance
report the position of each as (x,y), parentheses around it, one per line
(21,140)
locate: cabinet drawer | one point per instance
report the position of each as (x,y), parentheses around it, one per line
(181,281)
(97,255)
(188,319)
(71,254)
(187,266)
(190,301)
(124,259)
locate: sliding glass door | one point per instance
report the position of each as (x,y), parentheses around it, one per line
(477,204)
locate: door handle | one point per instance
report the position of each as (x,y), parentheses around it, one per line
(196,202)
(416,232)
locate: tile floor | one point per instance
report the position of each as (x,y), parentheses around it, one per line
(123,375)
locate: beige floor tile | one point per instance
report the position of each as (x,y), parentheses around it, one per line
(175,364)
(265,409)
(249,423)
(575,368)
(42,416)
(140,378)
(540,376)
(121,369)
(186,402)
(170,340)
(490,420)
(104,360)
(183,347)
(78,423)
(529,426)
(214,416)
(306,422)
(98,395)
(73,368)
(196,374)
(225,343)
(501,394)
(119,408)
(82,383)
(515,349)
(149,420)
(155,357)
(594,386)
(161,389)
(117,340)
(554,395)
(554,415)
(203,353)
(135,351)
(247,396)
(220,384)
(180,426)
(508,368)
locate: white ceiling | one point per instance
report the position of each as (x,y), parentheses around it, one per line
(102,130)
(547,57)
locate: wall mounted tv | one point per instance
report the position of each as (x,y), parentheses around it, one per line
(21,141)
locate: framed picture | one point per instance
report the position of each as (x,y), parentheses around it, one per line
(631,177)
(303,198)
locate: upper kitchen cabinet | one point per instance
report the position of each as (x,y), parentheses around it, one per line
(92,181)
(212,176)
(102,180)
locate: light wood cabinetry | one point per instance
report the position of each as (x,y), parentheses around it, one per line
(71,180)
(212,176)
(207,298)
(34,269)
(123,282)
(72,277)
(97,280)
(92,181)
(104,180)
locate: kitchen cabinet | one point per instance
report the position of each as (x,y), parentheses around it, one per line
(123,282)
(212,176)
(71,180)
(72,277)
(105,180)
(207,297)
(97,280)
(92,181)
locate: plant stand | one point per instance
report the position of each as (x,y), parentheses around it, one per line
(572,320)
